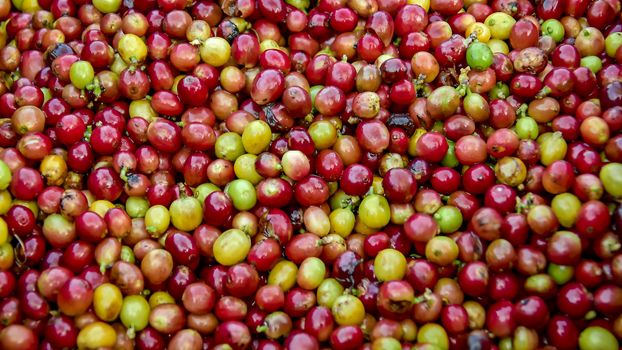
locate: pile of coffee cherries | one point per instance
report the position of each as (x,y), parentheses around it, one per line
(306,175)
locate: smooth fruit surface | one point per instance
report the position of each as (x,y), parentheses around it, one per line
(306,175)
